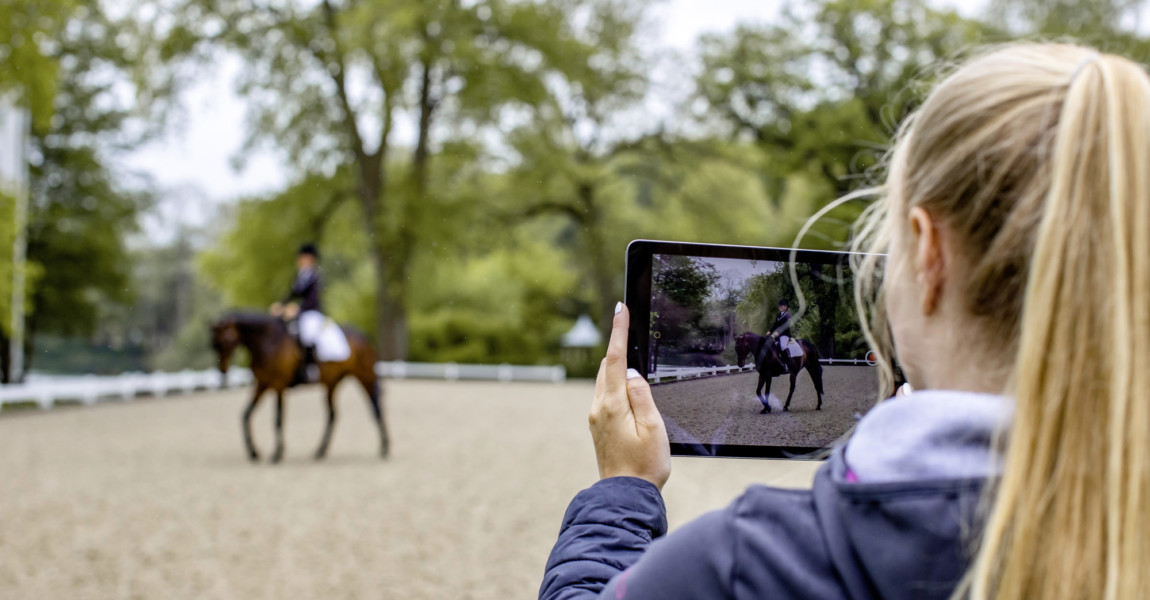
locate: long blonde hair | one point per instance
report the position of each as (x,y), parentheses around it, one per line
(1037,159)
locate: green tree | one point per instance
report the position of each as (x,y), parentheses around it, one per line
(1109,25)
(822,91)
(29,65)
(574,153)
(437,60)
(252,263)
(1083,19)
(68,63)
(680,288)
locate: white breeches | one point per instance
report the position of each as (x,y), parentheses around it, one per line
(311,324)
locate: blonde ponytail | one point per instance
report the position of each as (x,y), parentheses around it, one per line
(1037,157)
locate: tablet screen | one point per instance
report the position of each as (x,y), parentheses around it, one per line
(726,330)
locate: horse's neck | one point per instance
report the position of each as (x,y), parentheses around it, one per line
(255,336)
(762,348)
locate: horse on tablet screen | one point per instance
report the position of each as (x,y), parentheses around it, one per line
(769,364)
(275,358)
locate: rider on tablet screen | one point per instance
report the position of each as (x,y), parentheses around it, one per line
(781,331)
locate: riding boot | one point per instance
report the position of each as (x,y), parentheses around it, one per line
(311,364)
(303,373)
(786,359)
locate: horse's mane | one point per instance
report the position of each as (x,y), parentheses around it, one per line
(246,319)
(758,339)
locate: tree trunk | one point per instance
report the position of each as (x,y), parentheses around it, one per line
(601,266)
(390,321)
(394,331)
(426,108)
(391,330)
(390,318)
(827,303)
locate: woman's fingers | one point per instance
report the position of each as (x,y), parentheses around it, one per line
(600,389)
(616,362)
(642,402)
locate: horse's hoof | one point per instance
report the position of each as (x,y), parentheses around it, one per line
(320,455)
(277,457)
(254,456)
(766,410)
(383,452)
(786,409)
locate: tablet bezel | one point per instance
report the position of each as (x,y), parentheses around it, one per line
(637,297)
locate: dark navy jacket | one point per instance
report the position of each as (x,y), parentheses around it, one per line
(782,324)
(890,531)
(306,287)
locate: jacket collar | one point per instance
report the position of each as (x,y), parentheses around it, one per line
(929,435)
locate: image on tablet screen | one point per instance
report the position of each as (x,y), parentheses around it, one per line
(711,326)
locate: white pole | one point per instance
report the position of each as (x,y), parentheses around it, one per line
(19,260)
(14,169)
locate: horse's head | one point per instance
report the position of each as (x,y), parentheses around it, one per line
(225,338)
(743,348)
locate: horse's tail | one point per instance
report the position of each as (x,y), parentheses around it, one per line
(364,361)
(361,347)
(814,366)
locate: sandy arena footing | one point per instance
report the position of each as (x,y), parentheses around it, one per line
(156,498)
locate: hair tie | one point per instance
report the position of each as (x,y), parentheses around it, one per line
(1082,64)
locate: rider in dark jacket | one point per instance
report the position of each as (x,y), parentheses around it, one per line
(781,332)
(306,285)
(305,289)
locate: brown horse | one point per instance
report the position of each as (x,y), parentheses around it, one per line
(769,364)
(275,358)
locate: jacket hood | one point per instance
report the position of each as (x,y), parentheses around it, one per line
(919,466)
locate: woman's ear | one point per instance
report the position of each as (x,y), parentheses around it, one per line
(929,258)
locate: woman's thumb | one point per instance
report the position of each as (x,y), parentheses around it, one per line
(642,402)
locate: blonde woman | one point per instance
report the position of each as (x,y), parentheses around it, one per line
(1016,295)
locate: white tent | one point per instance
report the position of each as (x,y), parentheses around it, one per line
(583,335)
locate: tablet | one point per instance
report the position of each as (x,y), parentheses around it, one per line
(741,362)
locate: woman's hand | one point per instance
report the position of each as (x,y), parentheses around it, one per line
(630,439)
(276,309)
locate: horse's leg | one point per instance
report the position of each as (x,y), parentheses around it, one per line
(247,421)
(764,380)
(370,385)
(322,451)
(816,371)
(794,376)
(279,453)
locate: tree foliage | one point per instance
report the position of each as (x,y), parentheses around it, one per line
(473,170)
(822,91)
(73,66)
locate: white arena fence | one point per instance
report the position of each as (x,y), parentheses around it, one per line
(471,372)
(46,390)
(668,374)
